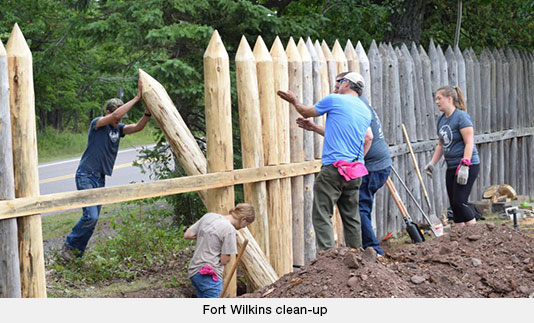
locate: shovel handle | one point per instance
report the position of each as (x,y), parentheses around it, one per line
(233,269)
(405,133)
(396,198)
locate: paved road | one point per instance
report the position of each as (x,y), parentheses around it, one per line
(58,176)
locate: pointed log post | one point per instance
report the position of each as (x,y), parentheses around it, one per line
(26,174)
(352,58)
(375,65)
(219,131)
(444,66)
(418,94)
(307,99)
(281,251)
(9,255)
(297,152)
(331,66)
(340,58)
(325,83)
(317,95)
(267,97)
(452,67)
(428,100)
(182,142)
(364,71)
(251,141)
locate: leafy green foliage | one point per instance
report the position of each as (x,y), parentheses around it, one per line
(140,242)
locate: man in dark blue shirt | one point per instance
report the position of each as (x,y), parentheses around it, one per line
(97,162)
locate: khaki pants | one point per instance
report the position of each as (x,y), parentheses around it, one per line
(331,188)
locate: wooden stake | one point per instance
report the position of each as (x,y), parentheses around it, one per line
(9,256)
(330,65)
(219,129)
(267,95)
(340,58)
(352,58)
(251,141)
(317,96)
(307,99)
(281,250)
(26,174)
(297,153)
(182,142)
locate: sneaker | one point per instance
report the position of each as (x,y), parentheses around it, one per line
(68,254)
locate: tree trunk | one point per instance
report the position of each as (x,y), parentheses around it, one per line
(406,22)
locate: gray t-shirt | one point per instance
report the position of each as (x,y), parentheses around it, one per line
(378,157)
(215,236)
(451,138)
(102,148)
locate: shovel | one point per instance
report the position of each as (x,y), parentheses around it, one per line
(411,228)
(436,233)
(420,178)
(234,267)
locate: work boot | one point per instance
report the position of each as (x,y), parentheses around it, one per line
(68,254)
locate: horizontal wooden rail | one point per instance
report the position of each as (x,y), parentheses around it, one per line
(115,194)
(486,138)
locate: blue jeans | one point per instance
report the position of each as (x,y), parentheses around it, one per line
(83,230)
(205,286)
(370,184)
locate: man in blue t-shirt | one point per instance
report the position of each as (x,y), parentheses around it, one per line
(347,137)
(97,162)
(378,164)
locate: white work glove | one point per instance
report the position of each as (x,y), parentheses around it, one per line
(463,175)
(429,168)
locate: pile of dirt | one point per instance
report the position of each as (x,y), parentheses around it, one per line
(484,260)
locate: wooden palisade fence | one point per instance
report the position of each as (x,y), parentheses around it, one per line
(279,159)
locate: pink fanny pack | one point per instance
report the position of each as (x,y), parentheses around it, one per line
(350,170)
(208,270)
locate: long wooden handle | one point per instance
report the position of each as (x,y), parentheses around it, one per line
(407,139)
(234,267)
(396,198)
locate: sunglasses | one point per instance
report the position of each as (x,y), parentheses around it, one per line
(341,80)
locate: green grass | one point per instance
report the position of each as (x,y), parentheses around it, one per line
(53,145)
(144,236)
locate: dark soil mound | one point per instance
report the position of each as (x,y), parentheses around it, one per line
(479,261)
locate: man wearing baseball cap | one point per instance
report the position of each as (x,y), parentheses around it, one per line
(97,161)
(347,137)
(378,163)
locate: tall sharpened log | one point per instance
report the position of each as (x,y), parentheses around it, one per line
(282,250)
(26,174)
(9,256)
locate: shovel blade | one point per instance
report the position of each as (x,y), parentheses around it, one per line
(414,232)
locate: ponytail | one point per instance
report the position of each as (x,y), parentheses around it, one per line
(457,96)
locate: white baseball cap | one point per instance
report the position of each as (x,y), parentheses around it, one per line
(355,78)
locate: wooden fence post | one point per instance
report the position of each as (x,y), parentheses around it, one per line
(219,131)
(444,66)
(182,142)
(428,101)
(420,109)
(375,67)
(461,68)
(308,143)
(317,95)
(352,57)
(267,94)
(26,174)
(339,58)
(325,83)
(452,67)
(252,153)
(331,66)
(297,153)
(282,250)
(364,70)
(9,256)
